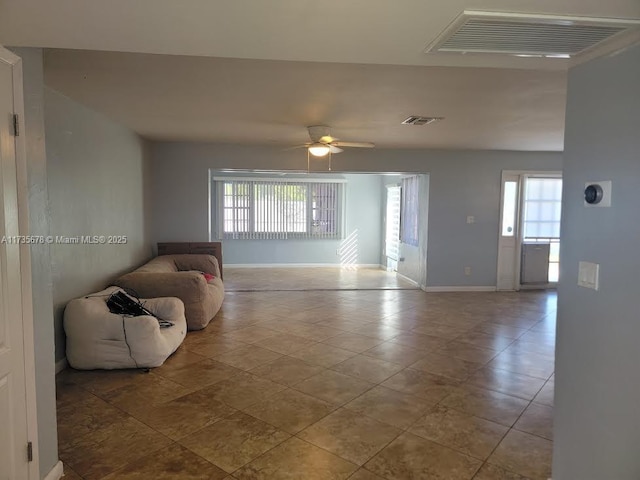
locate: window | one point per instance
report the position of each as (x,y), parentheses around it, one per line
(542,207)
(277,209)
(409,211)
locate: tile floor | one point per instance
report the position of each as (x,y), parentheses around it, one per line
(390,384)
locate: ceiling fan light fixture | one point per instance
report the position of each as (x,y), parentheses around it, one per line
(319,149)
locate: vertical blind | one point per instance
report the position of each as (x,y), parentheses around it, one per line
(277,209)
(409,211)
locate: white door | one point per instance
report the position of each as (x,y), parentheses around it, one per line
(392,235)
(13,401)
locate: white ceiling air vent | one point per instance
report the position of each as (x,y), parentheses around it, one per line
(527,34)
(417,120)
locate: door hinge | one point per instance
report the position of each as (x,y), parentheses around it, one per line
(16,125)
(30,451)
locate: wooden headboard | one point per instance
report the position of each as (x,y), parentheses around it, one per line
(207,248)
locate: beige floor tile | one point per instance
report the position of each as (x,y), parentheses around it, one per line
(234,441)
(353,342)
(419,341)
(363,474)
(501,330)
(243,390)
(377,330)
(491,472)
(296,459)
(103,451)
(432,388)
(395,353)
(538,420)
(290,410)
(252,334)
(286,370)
(185,415)
(333,387)
(211,346)
(201,374)
(503,381)
(367,368)
(350,435)
(394,408)
(487,404)
(69,393)
(465,433)
(448,332)
(410,457)
(314,332)
(527,364)
(446,366)
(171,463)
(525,454)
(323,355)
(178,359)
(485,340)
(285,343)
(545,396)
(149,390)
(101,381)
(467,352)
(88,415)
(247,358)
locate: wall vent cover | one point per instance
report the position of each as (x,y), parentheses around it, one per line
(418,120)
(527,34)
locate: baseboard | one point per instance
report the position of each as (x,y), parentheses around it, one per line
(460,289)
(300,265)
(56,472)
(61,365)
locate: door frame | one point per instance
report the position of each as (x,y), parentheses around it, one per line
(522,175)
(25,260)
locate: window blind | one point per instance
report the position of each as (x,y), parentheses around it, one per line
(409,211)
(277,209)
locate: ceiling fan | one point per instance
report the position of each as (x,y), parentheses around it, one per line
(322,143)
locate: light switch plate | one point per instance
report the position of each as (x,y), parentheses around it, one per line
(471,219)
(588,275)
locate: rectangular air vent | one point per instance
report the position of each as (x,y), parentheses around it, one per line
(417,120)
(524,34)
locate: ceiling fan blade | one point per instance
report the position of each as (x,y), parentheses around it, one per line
(354,144)
(296,147)
(334,149)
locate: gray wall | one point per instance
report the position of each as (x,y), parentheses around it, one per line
(461,183)
(597,426)
(96,187)
(40,257)
(362,221)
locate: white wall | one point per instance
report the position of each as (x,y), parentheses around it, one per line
(597,425)
(362,221)
(96,171)
(461,183)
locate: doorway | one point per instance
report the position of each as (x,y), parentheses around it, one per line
(529,236)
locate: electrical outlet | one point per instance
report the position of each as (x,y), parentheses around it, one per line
(467,271)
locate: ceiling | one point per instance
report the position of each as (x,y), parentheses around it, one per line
(251,71)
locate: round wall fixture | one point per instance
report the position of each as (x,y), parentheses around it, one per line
(593,194)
